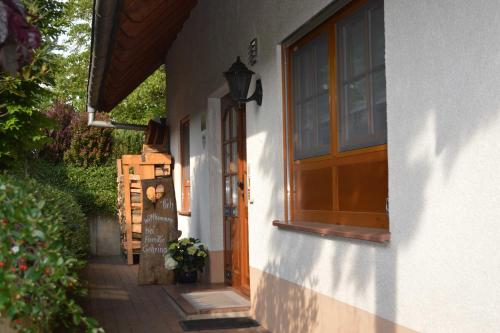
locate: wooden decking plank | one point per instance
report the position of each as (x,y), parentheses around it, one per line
(123,309)
(168,314)
(147,310)
(113,290)
(103,308)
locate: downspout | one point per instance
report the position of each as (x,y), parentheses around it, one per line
(103,21)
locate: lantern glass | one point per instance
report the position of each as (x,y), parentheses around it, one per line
(238,78)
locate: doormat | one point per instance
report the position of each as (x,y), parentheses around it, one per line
(218,324)
(218,299)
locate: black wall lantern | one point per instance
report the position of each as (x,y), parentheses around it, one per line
(239,77)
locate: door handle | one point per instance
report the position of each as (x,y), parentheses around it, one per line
(241,185)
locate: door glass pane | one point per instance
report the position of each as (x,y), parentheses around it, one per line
(226,127)
(228,191)
(234,157)
(227,157)
(228,246)
(361,79)
(234,123)
(235,190)
(311,111)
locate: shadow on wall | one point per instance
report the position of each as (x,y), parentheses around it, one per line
(282,309)
(432,119)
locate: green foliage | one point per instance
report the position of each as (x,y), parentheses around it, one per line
(22,130)
(23,95)
(38,274)
(71,79)
(64,210)
(146,102)
(64,116)
(72,66)
(126,142)
(186,254)
(94,188)
(90,146)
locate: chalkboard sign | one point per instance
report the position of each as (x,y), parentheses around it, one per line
(159,225)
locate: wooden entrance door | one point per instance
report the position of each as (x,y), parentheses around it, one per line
(236,266)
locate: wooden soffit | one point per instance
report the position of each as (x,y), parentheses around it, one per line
(142,33)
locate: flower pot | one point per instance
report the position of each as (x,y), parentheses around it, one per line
(186,277)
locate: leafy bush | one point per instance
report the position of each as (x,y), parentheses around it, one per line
(37,271)
(94,188)
(22,130)
(126,142)
(64,210)
(63,116)
(90,146)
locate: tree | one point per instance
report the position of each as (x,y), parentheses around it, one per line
(146,102)
(24,94)
(71,78)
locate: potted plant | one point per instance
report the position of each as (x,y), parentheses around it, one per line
(186,257)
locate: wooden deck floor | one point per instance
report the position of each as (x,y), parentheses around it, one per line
(121,305)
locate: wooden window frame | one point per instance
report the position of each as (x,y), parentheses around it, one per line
(369,220)
(185,188)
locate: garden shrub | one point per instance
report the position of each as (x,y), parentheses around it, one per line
(126,143)
(63,116)
(90,146)
(64,210)
(38,275)
(94,188)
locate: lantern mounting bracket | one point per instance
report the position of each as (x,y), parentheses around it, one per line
(256,96)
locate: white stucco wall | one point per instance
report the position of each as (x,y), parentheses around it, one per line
(439,272)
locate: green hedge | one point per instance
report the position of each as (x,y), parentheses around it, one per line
(38,268)
(94,188)
(64,210)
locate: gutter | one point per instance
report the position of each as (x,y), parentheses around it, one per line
(110,124)
(103,25)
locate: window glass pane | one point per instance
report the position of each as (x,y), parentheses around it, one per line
(379,108)
(354,118)
(361,79)
(353,34)
(311,112)
(378,82)
(377,36)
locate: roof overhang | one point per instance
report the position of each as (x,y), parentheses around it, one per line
(130,39)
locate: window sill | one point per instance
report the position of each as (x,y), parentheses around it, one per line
(184,213)
(335,230)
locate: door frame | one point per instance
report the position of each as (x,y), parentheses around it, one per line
(243,285)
